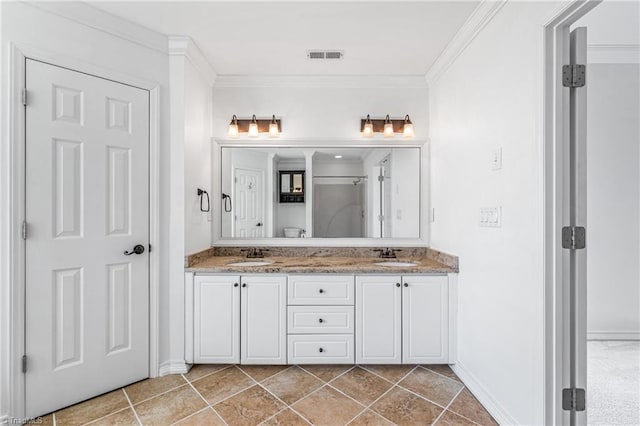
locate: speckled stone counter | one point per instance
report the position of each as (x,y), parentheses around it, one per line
(321,264)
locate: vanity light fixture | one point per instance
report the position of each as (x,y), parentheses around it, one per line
(254,126)
(274,128)
(387,126)
(233,128)
(407,130)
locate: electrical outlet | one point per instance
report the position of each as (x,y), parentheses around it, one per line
(491,217)
(496,159)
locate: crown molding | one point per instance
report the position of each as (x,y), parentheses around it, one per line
(321,81)
(613,53)
(479,18)
(185,46)
(97,19)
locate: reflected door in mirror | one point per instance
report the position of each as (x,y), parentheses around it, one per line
(249,216)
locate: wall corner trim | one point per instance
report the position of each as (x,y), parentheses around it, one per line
(185,46)
(476,22)
(487,400)
(173,367)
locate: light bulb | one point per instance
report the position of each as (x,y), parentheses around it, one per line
(408,131)
(388,128)
(233,128)
(274,131)
(253,128)
(367,131)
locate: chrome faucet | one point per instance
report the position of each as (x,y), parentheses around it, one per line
(387,253)
(255,253)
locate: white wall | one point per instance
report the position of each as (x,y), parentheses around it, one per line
(405,193)
(490,97)
(27,25)
(613,201)
(197,158)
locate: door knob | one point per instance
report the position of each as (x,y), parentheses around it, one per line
(138,249)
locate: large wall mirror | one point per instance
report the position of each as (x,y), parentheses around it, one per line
(320,192)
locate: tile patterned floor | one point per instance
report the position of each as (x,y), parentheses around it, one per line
(286,395)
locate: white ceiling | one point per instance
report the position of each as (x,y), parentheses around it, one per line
(272,38)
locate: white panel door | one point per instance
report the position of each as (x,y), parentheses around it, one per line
(249,195)
(216,319)
(425,320)
(264,320)
(87,321)
(378,319)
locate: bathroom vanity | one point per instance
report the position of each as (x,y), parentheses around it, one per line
(320,310)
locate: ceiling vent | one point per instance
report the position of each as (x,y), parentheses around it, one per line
(325,54)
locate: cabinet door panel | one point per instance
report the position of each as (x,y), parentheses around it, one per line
(425,320)
(378,320)
(264,320)
(216,319)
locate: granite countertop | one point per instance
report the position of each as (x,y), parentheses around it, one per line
(325,264)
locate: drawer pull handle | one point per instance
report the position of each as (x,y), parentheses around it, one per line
(320,320)
(397,284)
(321,350)
(321,291)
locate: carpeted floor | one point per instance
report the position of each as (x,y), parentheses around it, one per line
(613,382)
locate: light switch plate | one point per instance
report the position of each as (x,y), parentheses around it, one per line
(491,217)
(496,159)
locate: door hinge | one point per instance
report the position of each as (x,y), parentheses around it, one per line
(24,229)
(574,237)
(573,399)
(574,75)
(24,363)
(149,248)
(380,178)
(380,218)
(24,96)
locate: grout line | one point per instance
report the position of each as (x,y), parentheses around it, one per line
(364,367)
(104,417)
(266,378)
(161,393)
(206,375)
(55,421)
(326,382)
(442,375)
(135,413)
(448,405)
(207,402)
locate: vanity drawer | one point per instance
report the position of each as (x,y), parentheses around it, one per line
(321,349)
(320,319)
(321,290)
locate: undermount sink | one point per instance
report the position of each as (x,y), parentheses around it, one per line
(252,263)
(396,264)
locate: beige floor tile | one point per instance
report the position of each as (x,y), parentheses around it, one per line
(405,408)
(327,372)
(443,369)
(431,386)
(205,417)
(261,372)
(92,409)
(218,386)
(392,373)
(249,407)
(361,385)
(369,418)
(292,384)
(200,370)
(468,406)
(151,387)
(451,419)
(327,406)
(124,417)
(169,407)
(286,418)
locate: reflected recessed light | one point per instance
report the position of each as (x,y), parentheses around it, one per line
(338,156)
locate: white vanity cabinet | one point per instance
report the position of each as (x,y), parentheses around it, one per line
(402,319)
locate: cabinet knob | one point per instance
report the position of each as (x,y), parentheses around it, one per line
(321,291)
(320,320)
(397,284)
(320,350)
(244,284)
(406,284)
(235,284)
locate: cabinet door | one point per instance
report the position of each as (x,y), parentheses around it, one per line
(216,322)
(378,316)
(425,314)
(264,320)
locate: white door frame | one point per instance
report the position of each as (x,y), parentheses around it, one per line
(556,206)
(14,248)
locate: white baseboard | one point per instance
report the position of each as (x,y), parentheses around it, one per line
(613,335)
(487,400)
(173,367)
